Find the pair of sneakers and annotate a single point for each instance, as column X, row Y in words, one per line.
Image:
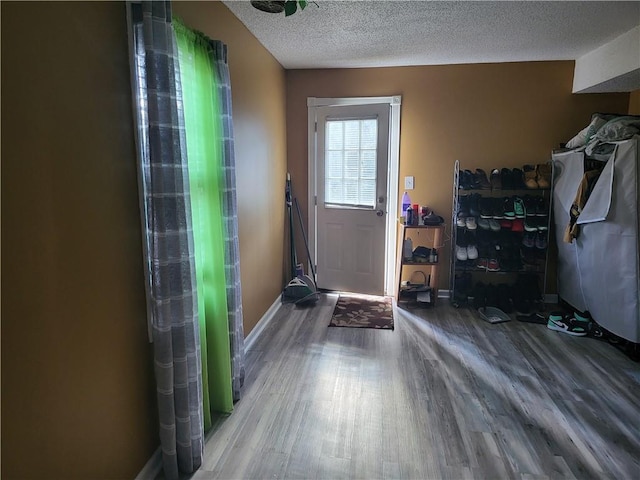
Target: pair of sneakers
column 534, row 224
column 513, row 207
column 469, row 223
column 533, row 239
column 470, row 252
column 575, row 324
column 489, row 224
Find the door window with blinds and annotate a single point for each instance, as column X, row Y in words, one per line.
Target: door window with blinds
column 350, row 163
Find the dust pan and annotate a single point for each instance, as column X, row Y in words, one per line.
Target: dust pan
column 300, row 290
column 493, row 315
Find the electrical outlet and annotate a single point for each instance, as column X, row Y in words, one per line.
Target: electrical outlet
column 408, row 183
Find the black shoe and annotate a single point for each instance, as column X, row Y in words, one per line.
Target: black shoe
column 522, row 306
column 517, row 179
column 521, row 301
column 529, row 258
column 504, row 298
column 595, row 331
column 482, row 180
column 480, row 295
column 474, row 208
column 461, row 237
column 470, row 237
column 498, row 208
column 541, row 207
column 538, row 318
column 462, row 180
column 506, row 178
column 530, row 225
column 470, row 179
column 509, row 259
column 530, row 207
column 486, row 207
column 466, row 180
column 463, row 205
column 462, row 288
column 507, row 208
column 542, row 224
column 496, row 182
column 484, row 239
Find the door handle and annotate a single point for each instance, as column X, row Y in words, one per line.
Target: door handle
column 379, row 213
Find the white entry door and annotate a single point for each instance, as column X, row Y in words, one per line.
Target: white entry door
column 352, row 150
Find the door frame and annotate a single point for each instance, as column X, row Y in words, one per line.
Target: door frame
column 394, row 103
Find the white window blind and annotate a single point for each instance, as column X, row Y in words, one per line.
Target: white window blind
column 350, row 162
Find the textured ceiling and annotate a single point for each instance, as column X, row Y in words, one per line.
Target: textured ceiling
column 347, row 34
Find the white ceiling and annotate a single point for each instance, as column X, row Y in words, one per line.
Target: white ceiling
column 347, row 34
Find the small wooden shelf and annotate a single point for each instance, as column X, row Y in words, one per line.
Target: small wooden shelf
column 432, row 239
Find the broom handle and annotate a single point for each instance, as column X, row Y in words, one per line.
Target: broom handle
column 294, row 256
column 306, row 244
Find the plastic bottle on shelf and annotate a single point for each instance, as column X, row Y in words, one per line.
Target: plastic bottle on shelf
column 408, row 220
column 407, row 250
column 406, row 203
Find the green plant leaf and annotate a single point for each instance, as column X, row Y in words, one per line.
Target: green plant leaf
column 303, row 4
column 290, row 7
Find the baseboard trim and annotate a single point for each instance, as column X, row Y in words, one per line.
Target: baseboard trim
column 152, row 468
column 262, row 324
column 551, row 298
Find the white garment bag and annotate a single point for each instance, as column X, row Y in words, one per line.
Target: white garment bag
column 569, row 169
column 599, row 271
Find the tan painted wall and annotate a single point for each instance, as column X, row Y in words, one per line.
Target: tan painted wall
column 259, row 119
column 634, row 103
column 486, row 116
column 77, row 379
column 77, row 383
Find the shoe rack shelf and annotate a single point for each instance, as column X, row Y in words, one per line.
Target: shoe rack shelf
column 499, row 235
column 430, row 237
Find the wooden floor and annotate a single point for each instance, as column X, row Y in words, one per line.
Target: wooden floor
column 443, row 396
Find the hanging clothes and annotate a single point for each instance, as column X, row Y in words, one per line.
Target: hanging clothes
column 585, row 188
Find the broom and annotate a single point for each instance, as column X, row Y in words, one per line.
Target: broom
column 301, row 288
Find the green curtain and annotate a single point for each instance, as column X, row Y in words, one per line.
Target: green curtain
column 204, row 150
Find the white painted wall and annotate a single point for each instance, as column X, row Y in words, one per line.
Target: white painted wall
column 614, row 66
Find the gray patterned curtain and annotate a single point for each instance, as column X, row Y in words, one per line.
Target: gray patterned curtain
column 166, row 212
column 230, row 213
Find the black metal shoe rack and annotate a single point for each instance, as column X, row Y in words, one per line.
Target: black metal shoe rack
column 510, row 269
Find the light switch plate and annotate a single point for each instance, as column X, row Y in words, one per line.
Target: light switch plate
column 408, row 183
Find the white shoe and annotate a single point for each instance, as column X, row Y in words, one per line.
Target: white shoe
column 461, row 253
column 472, row 252
column 470, row 223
